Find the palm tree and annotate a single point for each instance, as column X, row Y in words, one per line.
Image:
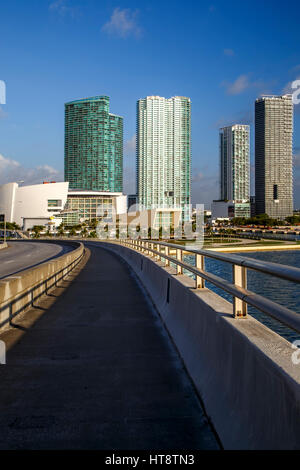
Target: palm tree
column 84, row 232
column 61, row 231
column 48, row 233
column 92, row 234
column 72, row 232
column 37, row 229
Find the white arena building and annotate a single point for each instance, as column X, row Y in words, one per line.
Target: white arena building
column 49, row 204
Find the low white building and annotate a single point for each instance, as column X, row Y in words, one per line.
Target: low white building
column 33, row 205
column 50, row 204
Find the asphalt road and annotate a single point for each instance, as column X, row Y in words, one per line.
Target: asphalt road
column 22, row 255
column 94, row 369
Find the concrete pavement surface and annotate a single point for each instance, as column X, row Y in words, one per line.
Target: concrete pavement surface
column 93, row 368
column 22, row 255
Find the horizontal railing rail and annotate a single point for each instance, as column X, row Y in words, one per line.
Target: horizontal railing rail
column 242, row 297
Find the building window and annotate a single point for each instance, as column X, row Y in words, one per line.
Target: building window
column 54, row 202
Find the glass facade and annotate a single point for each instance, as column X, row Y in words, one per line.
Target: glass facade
column 93, row 145
column 164, row 152
column 242, row 210
column 80, row 208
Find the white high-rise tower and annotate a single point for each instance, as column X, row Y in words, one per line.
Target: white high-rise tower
column 235, row 163
column 164, row 152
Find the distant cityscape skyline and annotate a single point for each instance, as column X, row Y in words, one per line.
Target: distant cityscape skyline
column 94, row 154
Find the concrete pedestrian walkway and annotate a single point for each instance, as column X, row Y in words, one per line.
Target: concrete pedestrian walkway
column 96, row 370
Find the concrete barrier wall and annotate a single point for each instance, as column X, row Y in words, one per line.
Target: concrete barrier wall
column 18, row 292
column 242, row 370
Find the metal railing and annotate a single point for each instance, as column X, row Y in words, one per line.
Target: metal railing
column 27, row 297
column 242, row 297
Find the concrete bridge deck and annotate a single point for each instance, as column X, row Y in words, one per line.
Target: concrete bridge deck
column 94, row 368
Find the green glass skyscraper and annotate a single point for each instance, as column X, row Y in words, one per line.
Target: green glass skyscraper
column 93, row 145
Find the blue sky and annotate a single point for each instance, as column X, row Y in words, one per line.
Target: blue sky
column 221, row 54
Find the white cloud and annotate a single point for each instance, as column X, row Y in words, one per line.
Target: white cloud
column 13, row 171
column 123, row 23
column 229, row 52
column 238, row 86
column 243, row 83
column 288, row 87
column 62, row 8
column 7, row 163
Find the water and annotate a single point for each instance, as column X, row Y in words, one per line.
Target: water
column 283, row 292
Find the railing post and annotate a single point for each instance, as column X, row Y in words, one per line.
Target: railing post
column 167, row 262
column 200, row 282
column 240, row 280
column 179, row 258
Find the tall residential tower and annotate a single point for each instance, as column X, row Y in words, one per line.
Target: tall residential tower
column 234, row 173
column 164, row 152
column 93, row 145
column 274, row 156
column 235, row 163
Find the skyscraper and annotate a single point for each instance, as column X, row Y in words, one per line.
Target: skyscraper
column 274, row 156
column 235, row 163
column 93, row 145
column 234, row 173
column 164, row 152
